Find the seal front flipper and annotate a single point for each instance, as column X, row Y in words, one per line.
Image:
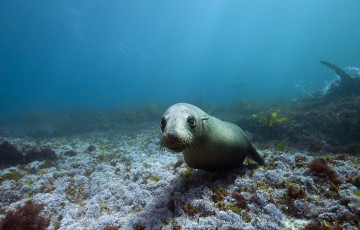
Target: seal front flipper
column 255, row 155
column 343, row 75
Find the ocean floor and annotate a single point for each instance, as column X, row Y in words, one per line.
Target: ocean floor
column 121, row 180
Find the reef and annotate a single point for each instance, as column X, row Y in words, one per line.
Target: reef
column 330, row 124
column 104, row 170
column 121, row 180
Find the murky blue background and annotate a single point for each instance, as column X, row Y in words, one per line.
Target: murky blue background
column 66, row 54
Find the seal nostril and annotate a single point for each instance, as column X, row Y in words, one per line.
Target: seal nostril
column 173, row 135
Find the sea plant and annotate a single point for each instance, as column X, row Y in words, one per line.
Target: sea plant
column 26, row 217
column 29, row 182
column 318, row 167
column 280, row 147
column 16, row 175
column 269, row 119
column 9, row 155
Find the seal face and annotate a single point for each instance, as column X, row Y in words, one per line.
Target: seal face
column 205, row 141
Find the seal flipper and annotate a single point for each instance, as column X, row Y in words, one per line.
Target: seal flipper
column 343, row 75
column 255, row 155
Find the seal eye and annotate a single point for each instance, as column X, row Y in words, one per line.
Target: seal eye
column 192, row 121
column 163, row 123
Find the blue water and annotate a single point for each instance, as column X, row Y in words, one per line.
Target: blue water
column 95, row 54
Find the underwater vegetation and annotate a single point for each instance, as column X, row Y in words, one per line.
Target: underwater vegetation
column 270, row 119
column 11, row 156
column 39, row 154
column 320, row 168
column 324, row 124
column 26, row 217
column 115, row 181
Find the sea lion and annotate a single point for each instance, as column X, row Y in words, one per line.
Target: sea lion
column 205, row 141
column 346, row 85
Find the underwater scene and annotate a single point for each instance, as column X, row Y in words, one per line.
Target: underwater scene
column 179, row 115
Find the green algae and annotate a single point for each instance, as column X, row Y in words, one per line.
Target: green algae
column 29, row 182
column 16, row 175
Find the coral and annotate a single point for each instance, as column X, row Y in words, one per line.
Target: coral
column 319, row 168
column 26, row 217
column 9, row 155
column 262, row 198
column 40, row 155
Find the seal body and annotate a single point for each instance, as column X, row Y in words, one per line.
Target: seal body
column 205, row 141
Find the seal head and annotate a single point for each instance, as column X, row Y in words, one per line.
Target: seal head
column 205, row 141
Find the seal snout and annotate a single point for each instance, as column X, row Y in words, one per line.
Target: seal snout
column 172, row 136
column 172, row 141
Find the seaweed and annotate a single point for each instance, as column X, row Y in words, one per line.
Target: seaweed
column 70, row 153
column 356, row 181
column 294, row 192
column 187, row 174
column 29, row 182
column 233, row 207
column 39, row 155
column 178, row 163
column 24, row 218
column 154, row 178
column 219, row 193
column 111, row 228
column 9, row 155
column 312, row 226
column 281, row 146
column 271, row 118
column 218, row 196
column 16, row 175
column 318, row 167
column 91, row 148
column 191, row 210
column 240, row 200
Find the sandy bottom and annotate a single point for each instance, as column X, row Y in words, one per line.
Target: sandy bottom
column 124, row 181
